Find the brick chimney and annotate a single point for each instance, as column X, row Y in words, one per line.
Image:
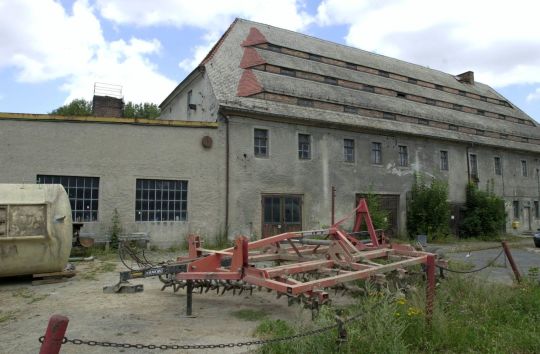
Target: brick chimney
column 107, row 101
column 467, row 77
column 106, row 106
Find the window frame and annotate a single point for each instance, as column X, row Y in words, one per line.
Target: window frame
column 376, row 153
column 349, row 156
column 403, row 156
column 515, row 207
column 473, row 165
column 300, row 150
column 78, row 200
column 149, row 187
column 497, row 165
column 267, row 145
column 444, row 163
column 524, row 168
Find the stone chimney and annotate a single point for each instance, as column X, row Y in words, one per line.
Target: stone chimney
column 467, row 77
column 107, row 101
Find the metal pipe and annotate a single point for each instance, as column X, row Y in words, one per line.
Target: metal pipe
column 54, row 336
column 189, row 298
column 333, row 216
column 227, row 173
column 515, row 269
column 430, row 291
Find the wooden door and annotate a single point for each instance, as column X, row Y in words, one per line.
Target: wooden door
column 389, row 203
column 281, row 213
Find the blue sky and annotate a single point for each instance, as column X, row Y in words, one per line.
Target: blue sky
column 54, row 51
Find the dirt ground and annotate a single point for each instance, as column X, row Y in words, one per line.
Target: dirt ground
column 150, row 317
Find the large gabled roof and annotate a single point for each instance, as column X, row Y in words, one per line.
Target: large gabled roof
column 260, row 69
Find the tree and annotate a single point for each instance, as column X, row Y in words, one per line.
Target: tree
column 484, row 214
column 77, row 107
column 141, row 110
column 428, row 210
column 82, row 107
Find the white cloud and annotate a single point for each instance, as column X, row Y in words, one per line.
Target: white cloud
column 43, row 42
column 498, row 40
column 534, row 96
column 210, row 15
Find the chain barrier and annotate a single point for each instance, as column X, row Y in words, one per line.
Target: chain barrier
column 320, row 330
column 489, row 264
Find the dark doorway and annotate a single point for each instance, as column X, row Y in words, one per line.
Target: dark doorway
column 389, row 203
column 281, row 213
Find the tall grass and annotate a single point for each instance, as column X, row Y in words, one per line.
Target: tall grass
column 469, row 316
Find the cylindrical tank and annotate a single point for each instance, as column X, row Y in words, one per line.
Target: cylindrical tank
column 35, row 229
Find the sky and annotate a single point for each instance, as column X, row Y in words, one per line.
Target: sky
column 52, row 52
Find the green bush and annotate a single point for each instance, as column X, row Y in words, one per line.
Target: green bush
column 428, row 209
column 484, row 214
column 379, row 216
column 116, row 229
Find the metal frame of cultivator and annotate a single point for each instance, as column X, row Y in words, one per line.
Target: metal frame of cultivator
column 309, row 263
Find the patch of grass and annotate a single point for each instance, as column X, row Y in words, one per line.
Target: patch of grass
column 28, row 294
column 98, row 268
column 249, row 314
column 7, row 316
column 469, row 316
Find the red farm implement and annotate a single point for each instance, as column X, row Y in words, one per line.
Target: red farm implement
column 303, row 266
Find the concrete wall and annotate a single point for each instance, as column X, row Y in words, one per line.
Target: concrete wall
column 282, row 172
column 119, row 154
column 202, row 96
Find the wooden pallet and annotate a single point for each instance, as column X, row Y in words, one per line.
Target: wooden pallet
column 52, row 278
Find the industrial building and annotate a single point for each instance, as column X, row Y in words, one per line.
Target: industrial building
column 253, row 139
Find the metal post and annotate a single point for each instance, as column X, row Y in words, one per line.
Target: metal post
column 189, row 302
column 430, row 290
column 333, row 216
column 511, row 261
column 54, row 336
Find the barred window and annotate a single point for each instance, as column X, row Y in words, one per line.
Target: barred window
column 444, row 160
column 376, row 153
column 83, row 193
column 348, row 150
column 304, row 146
column 261, row 143
column 403, row 156
column 498, row 167
column 161, row 200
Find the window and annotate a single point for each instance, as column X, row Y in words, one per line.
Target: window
column 444, row 160
column 83, row 193
column 536, row 209
column 348, row 150
column 160, row 200
column 304, row 146
column 330, row 80
column 304, row 102
column 350, row 109
column 190, row 104
column 411, row 80
column 516, row 209
column 403, row 156
column 498, row 167
column 376, row 153
column 524, row 170
column 288, row 72
column 473, row 164
column 369, row 88
column 260, row 143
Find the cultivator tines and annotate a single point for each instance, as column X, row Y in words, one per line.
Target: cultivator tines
column 302, row 266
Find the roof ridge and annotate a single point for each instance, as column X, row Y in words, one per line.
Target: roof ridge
column 351, row 47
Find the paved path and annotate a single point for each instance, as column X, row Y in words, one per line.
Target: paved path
column 525, row 255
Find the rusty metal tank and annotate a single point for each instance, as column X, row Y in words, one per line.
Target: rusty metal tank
column 35, row 229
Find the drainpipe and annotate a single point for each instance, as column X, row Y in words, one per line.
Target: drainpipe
column 468, row 166
column 227, row 177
